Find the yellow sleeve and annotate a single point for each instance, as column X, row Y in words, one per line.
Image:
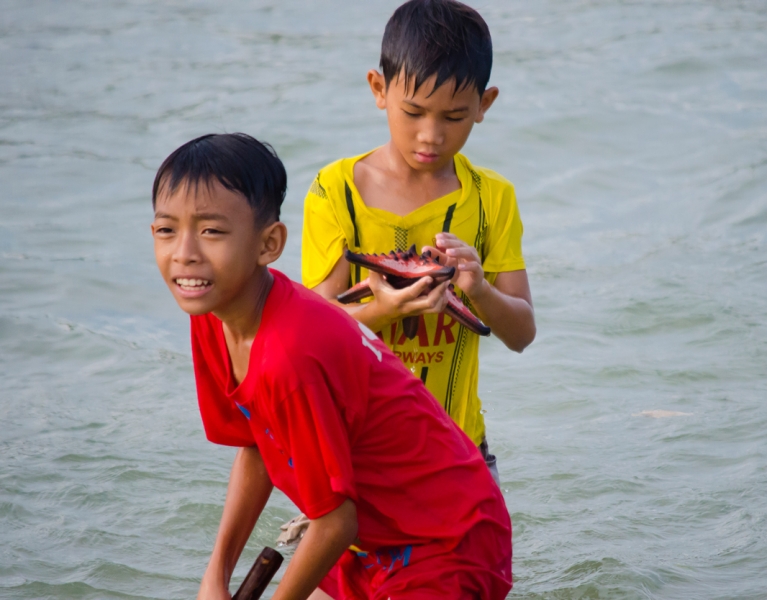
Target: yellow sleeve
column 503, row 243
column 322, row 239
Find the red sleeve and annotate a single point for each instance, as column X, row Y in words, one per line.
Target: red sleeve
column 318, row 442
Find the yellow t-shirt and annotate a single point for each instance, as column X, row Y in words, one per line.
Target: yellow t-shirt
column 483, row 213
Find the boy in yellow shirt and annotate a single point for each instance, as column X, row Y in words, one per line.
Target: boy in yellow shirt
column 418, row 189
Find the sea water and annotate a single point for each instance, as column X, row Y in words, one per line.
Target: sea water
column 636, row 136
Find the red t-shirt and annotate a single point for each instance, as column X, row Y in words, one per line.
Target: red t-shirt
column 336, row 415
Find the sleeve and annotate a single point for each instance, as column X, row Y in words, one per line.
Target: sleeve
column 320, row 451
column 323, row 239
column 503, row 244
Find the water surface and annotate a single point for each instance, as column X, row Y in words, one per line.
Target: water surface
column 636, row 135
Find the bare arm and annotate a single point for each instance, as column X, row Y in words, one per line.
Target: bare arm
column 322, row 545
column 249, row 489
column 336, row 283
column 388, row 305
column 507, row 308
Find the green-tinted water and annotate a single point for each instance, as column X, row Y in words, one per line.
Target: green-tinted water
column 636, row 134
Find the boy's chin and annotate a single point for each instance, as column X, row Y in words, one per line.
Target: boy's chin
column 195, row 311
column 193, row 307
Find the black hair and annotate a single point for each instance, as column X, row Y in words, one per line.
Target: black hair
column 442, row 37
column 240, row 162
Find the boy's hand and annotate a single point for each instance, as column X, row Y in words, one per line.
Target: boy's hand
column 389, row 304
column 469, row 275
column 413, row 300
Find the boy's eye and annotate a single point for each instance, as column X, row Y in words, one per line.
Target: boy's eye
column 163, row 230
column 455, row 119
column 409, row 114
column 212, row 230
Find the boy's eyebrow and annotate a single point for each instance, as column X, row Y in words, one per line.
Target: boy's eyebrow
column 211, row 217
column 451, row 110
column 413, row 104
column 198, row 216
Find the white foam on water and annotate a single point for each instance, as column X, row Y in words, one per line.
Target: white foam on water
column 661, row 414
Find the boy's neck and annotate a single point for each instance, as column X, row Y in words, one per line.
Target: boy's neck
column 386, row 181
column 242, row 316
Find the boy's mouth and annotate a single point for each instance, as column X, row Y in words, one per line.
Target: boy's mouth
column 192, row 286
column 426, row 157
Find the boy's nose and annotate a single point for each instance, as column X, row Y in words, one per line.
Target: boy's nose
column 431, row 133
column 187, row 250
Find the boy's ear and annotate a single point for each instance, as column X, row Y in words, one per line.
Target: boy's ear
column 378, row 87
column 273, row 238
column 485, row 102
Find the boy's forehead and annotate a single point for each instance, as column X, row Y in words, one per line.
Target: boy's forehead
column 185, row 191
column 201, row 196
column 445, row 94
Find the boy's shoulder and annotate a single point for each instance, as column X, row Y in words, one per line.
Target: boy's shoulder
column 496, row 193
column 303, row 325
column 308, row 342
column 329, row 176
column 335, row 175
column 484, row 177
column 295, row 316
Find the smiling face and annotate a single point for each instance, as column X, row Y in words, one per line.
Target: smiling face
column 429, row 127
column 209, row 250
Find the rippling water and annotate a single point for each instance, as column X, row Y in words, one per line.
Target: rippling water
column 636, row 134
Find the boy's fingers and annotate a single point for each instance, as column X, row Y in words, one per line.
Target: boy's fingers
column 452, row 243
column 434, row 301
column 449, row 241
column 446, row 236
column 471, row 266
column 418, row 288
column 467, row 253
column 439, row 290
column 441, row 296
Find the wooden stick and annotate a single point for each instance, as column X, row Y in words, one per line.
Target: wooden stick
column 259, row 576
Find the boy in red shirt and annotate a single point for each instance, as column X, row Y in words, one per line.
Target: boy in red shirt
column 317, row 404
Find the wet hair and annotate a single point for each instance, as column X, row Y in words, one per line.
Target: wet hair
column 238, row 161
column 442, row 37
